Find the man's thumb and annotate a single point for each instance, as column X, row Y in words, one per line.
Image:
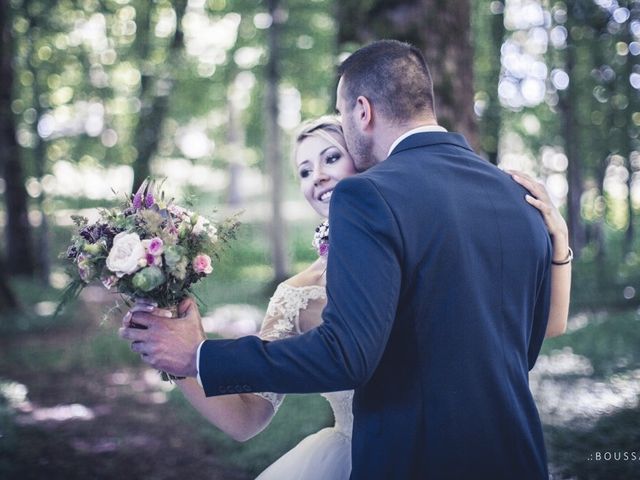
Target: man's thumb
column 184, row 307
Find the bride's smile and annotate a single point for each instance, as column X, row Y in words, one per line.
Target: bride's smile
column 325, row 196
column 322, row 161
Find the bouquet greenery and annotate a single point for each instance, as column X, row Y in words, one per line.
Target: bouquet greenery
column 149, row 249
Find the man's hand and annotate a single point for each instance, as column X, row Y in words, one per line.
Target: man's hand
column 168, row 344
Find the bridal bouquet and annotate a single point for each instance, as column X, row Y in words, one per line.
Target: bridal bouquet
column 148, row 249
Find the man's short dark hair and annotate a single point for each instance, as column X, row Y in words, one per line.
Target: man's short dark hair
column 393, row 75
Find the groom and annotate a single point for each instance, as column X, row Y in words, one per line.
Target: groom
column 438, row 296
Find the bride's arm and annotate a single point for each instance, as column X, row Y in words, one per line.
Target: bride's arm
column 560, row 288
column 241, row 416
column 560, row 274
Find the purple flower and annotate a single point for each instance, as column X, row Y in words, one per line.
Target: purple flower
column 140, row 195
column 137, row 200
column 150, row 259
column 72, row 251
column 93, row 233
column 154, row 246
column 149, row 200
column 323, row 250
column 86, row 269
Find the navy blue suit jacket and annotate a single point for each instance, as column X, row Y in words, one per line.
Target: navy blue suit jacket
column 438, row 297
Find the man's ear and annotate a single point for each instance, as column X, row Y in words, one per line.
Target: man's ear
column 364, row 113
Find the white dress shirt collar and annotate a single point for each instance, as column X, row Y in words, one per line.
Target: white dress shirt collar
column 423, row 129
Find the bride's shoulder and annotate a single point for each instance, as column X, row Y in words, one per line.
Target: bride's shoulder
column 312, row 276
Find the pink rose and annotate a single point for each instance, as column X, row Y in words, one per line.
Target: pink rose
column 202, row 264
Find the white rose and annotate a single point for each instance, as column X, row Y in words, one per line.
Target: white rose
column 200, row 225
column 125, row 254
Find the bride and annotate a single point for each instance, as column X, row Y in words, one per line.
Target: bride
column 321, row 160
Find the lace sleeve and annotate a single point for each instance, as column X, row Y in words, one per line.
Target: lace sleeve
column 281, row 320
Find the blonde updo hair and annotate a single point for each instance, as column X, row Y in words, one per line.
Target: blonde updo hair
column 327, row 127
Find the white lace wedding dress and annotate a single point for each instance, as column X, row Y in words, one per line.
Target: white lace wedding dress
column 325, row 455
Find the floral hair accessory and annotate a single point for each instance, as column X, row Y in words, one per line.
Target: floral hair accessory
column 321, row 239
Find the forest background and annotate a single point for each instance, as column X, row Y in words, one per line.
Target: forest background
column 95, row 95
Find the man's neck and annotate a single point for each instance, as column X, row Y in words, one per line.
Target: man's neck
column 390, row 133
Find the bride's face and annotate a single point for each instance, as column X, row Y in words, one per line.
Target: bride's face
column 321, row 165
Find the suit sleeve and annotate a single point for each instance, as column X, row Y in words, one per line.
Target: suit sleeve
column 363, row 285
column 542, row 305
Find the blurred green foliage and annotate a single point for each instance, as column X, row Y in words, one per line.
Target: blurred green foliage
column 79, row 74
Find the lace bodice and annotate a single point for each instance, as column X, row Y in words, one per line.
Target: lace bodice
column 282, row 320
column 341, row 404
column 283, row 312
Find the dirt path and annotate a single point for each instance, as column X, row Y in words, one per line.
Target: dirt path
column 102, row 428
column 93, row 422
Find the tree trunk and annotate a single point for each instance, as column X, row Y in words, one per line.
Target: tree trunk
column 492, row 15
column 599, row 226
column 20, row 256
column 442, row 30
column 602, row 148
column 39, row 154
column 567, row 104
column 630, row 131
column 44, row 245
column 272, row 141
column 235, row 143
column 7, row 298
column 155, row 89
